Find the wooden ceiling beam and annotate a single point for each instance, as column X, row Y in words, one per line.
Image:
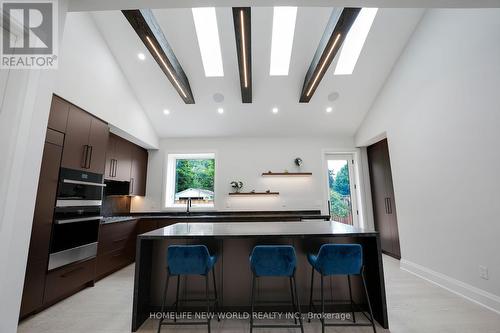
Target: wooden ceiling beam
column 147, row 28
column 243, row 34
column 335, row 33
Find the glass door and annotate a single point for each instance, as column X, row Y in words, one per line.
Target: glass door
column 341, row 197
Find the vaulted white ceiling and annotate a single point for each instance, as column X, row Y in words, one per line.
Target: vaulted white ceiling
column 390, row 31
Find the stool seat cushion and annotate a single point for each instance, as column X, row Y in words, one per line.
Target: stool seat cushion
column 190, row 260
column 273, row 260
column 337, row 259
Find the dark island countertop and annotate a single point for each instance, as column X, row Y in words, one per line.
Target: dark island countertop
column 251, row 229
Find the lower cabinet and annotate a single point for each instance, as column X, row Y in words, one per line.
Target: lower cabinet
column 69, row 279
column 116, row 247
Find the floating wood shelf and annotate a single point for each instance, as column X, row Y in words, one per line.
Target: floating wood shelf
column 287, row 174
column 254, row 193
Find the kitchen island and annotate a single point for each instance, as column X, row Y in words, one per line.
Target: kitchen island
column 233, row 243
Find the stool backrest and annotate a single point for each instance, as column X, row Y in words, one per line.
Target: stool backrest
column 188, row 259
column 341, row 259
column 273, row 260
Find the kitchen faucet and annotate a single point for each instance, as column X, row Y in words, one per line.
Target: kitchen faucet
column 188, row 205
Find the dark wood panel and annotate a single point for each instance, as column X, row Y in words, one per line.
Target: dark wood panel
column 114, row 236
column 383, row 200
column 76, row 139
column 58, row 116
column 45, row 202
column 54, row 137
column 138, row 171
column 34, row 286
column 64, row 281
column 123, row 153
column 98, row 141
column 112, row 261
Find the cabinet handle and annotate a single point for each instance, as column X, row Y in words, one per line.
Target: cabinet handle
column 90, row 148
column 385, row 204
column 131, row 186
column 84, row 156
column 115, row 167
column 71, row 272
column 119, row 240
column 389, row 205
column 111, row 167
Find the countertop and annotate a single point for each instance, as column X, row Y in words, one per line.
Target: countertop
column 221, row 216
column 242, row 229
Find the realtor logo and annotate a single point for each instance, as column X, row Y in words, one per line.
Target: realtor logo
column 29, row 35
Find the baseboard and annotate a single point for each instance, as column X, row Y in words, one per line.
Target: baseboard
column 476, row 295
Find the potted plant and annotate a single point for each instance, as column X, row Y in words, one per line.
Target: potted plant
column 237, row 185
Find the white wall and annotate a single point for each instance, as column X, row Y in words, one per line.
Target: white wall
column 25, row 104
column 245, row 159
column 440, row 109
column 90, row 77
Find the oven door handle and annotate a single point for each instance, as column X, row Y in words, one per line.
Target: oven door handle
column 82, row 219
column 79, row 182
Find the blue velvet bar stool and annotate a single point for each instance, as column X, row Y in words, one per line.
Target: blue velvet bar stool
column 190, row 260
column 339, row 259
column 275, row 261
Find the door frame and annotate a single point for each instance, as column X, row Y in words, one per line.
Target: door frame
column 356, row 200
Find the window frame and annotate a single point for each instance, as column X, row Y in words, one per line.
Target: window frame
column 170, row 176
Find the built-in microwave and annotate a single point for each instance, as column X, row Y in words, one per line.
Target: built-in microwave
column 78, row 188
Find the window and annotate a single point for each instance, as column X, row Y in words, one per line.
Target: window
column 190, row 176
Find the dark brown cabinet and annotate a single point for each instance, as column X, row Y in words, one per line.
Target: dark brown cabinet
column 85, row 142
column 138, row 172
column 34, row 283
column 118, row 159
column 116, row 246
column 58, row 117
column 384, row 207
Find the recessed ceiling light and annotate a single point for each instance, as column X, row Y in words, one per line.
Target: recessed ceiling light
column 282, row 39
column 205, row 22
column 329, row 109
column 141, row 56
column 220, row 110
column 354, row 41
column 275, row 110
column 166, row 112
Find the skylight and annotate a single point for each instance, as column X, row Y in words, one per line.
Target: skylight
column 282, row 39
column 205, row 22
column 354, row 41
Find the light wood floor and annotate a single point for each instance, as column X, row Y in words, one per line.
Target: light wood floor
column 414, row 306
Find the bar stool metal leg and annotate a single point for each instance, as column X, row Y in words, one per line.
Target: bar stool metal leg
column 368, row 299
column 298, row 305
column 311, row 295
column 322, row 306
column 294, row 308
column 350, row 298
column 252, row 303
column 177, row 298
column 216, row 303
column 208, row 302
column 164, row 300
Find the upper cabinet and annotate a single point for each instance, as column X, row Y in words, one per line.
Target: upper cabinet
column 127, row 162
column 139, row 171
column 85, row 142
column 118, row 159
column 58, row 116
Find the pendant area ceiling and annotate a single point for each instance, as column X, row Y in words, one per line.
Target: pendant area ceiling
column 348, row 96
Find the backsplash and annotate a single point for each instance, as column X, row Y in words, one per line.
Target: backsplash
column 116, row 205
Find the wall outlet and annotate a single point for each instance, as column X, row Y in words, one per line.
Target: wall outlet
column 483, row 272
